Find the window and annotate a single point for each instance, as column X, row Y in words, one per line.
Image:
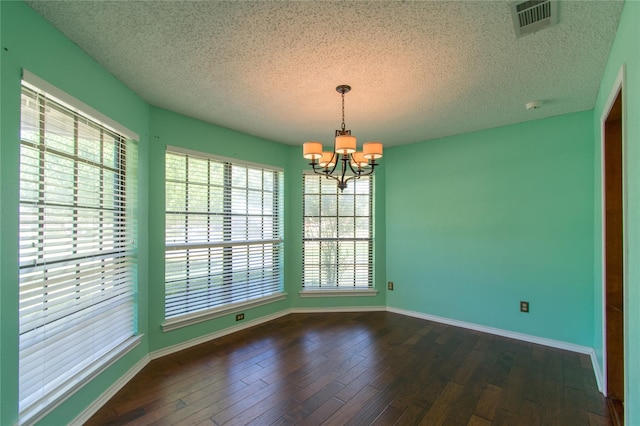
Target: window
column 77, row 249
column 223, row 235
column 338, row 234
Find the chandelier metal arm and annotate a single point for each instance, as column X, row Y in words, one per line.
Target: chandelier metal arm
column 335, row 157
column 342, row 177
column 372, row 164
column 355, row 172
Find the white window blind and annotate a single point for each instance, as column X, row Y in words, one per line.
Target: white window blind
column 223, row 233
column 338, row 233
column 77, row 249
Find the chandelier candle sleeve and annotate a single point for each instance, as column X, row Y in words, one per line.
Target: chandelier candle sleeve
column 372, row 150
column 358, row 160
column 345, row 144
column 328, row 160
column 312, row 150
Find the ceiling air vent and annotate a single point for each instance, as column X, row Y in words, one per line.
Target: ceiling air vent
column 533, row 15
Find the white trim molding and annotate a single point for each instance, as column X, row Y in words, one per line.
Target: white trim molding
column 33, row 81
column 196, row 317
column 212, row 336
column 202, row 154
column 332, row 292
column 618, row 86
column 110, row 392
column 336, row 309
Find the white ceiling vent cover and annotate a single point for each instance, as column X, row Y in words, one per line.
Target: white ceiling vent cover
column 533, row 15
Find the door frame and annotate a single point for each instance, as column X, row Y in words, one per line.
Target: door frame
column 618, row 87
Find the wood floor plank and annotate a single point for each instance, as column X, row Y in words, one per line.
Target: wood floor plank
column 596, row 420
column 463, row 407
column 489, row 401
column 512, row 391
column 467, row 368
column 360, row 368
column 437, row 413
column 504, row 418
column 320, row 398
column 554, row 398
column 530, row 414
column 572, row 371
column 347, row 411
column 323, row 412
column 534, row 389
column 575, row 407
column 593, row 398
column 389, row 416
column 478, row 421
column 389, row 389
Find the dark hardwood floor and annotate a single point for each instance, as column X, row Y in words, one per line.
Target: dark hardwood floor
column 374, row 368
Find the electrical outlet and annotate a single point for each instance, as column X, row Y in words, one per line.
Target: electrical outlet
column 524, row 306
column 390, row 285
column 239, row 317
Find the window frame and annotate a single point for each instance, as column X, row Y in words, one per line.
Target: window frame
column 227, row 244
column 339, row 290
column 108, row 256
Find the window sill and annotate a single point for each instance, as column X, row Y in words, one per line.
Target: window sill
column 196, row 317
column 338, row 293
column 36, row 412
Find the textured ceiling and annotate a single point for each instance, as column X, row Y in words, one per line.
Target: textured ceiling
column 419, row 70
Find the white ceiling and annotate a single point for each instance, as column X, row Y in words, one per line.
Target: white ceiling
column 419, row 70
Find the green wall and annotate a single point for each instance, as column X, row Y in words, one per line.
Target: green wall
column 478, row 222
column 624, row 53
column 28, row 41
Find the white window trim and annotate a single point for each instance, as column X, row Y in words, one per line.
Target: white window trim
column 339, row 293
column 36, row 411
column 39, row 411
column 35, row 82
column 220, row 311
column 343, row 291
column 206, row 315
column 232, row 160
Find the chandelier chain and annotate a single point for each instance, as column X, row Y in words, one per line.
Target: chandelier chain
column 343, row 126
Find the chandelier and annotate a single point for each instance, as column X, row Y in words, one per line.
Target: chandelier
column 353, row 164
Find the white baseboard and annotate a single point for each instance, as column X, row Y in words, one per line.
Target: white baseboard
column 313, row 310
column 511, row 335
column 598, row 372
column 113, row 389
column 202, row 339
column 208, row 337
column 110, row 392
